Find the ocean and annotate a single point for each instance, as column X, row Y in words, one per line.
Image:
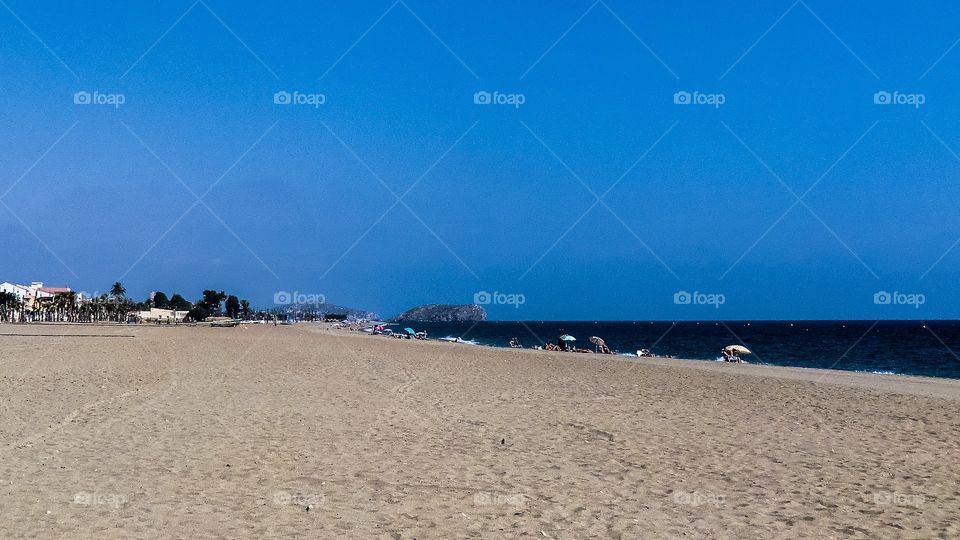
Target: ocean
column 886, row 347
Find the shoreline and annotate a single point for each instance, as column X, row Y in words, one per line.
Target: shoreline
column 943, row 387
column 862, row 378
column 622, row 355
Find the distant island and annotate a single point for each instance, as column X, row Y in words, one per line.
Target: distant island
column 443, row 313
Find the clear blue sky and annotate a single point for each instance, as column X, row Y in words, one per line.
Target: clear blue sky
column 93, row 203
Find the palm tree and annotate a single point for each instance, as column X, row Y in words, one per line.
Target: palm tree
column 65, row 306
column 101, row 307
column 9, row 304
column 117, row 291
column 58, row 305
column 42, row 306
column 118, row 302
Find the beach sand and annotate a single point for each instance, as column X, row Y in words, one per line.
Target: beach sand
column 300, row 431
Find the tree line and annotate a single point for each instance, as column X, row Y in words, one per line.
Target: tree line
column 115, row 306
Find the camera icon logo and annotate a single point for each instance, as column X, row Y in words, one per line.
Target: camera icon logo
column 882, row 298
column 682, row 298
column 482, row 298
column 82, row 98
column 282, row 97
column 681, row 98
column 83, row 498
column 882, row 98
column 482, row 97
column 282, row 298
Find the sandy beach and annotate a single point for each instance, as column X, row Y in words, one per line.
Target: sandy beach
column 301, row 431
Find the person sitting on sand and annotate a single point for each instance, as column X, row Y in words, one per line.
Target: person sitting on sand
column 730, row 356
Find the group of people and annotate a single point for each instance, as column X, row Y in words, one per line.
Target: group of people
column 564, row 343
column 564, row 346
column 421, row 335
column 407, row 333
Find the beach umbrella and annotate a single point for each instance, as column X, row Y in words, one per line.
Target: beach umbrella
column 600, row 343
column 739, row 349
column 409, row 330
column 568, row 337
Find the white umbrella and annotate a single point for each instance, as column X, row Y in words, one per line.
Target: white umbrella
column 739, row 349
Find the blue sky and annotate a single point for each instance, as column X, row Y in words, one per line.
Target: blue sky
column 797, row 197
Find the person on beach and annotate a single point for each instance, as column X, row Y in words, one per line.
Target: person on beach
column 730, row 356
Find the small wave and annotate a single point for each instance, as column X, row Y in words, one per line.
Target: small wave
column 877, row 371
column 454, row 339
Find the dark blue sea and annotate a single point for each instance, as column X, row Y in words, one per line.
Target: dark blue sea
column 887, row 347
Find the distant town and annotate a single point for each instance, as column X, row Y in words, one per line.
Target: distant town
column 38, row 302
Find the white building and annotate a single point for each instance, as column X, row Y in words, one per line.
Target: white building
column 20, row 291
column 28, row 294
column 162, row 315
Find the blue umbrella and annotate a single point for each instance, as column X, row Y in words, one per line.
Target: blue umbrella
column 409, row 330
